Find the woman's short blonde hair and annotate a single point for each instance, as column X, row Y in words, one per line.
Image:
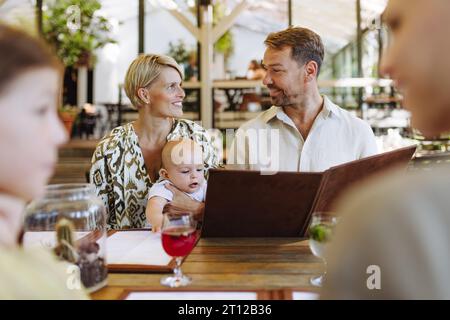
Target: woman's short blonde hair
column 143, row 71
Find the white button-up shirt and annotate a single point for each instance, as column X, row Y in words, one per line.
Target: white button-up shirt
column 272, row 142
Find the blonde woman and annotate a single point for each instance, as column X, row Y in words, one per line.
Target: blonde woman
column 126, row 162
column 30, row 133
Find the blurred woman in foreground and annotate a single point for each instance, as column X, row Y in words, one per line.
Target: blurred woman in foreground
column 30, row 133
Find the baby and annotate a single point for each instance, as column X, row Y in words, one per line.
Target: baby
column 182, row 166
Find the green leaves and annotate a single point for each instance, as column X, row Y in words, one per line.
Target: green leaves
column 76, row 30
column 320, row 232
column 225, row 44
column 179, row 52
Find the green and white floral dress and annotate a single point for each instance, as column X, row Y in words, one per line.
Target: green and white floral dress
column 120, row 177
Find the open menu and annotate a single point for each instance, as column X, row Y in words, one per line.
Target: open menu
column 337, row 179
column 236, row 199
column 191, row 295
column 137, row 251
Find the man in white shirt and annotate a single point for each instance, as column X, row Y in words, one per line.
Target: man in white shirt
column 303, row 131
column 393, row 239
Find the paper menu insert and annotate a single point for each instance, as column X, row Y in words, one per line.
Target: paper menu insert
column 217, row 294
column 136, row 248
column 303, row 295
column 45, row 239
column 192, row 295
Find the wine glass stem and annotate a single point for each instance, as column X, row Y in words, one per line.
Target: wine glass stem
column 177, row 270
column 325, row 268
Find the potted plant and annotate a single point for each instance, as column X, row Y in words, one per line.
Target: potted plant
column 76, row 30
column 179, row 51
column 68, row 115
column 185, row 57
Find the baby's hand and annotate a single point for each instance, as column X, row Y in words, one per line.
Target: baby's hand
column 154, row 212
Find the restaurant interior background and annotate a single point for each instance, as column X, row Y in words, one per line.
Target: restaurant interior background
column 98, row 39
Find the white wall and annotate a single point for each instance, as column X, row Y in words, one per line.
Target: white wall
column 114, row 59
column 161, row 28
column 248, row 45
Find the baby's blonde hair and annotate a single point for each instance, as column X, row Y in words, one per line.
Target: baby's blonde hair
column 145, row 69
column 183, row 151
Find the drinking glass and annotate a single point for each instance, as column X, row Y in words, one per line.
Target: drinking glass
column 321, row 232
column 178, row 239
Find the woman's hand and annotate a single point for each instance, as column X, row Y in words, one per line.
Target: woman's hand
column 182, row 203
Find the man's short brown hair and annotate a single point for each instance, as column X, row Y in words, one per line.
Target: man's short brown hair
column 306, row 44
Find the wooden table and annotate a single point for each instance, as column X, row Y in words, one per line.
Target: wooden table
column 234, row 264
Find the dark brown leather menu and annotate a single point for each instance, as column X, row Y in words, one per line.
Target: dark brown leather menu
column 250, row 204
column 337, row 179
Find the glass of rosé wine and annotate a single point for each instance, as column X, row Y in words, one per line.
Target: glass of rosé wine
column 178, row 235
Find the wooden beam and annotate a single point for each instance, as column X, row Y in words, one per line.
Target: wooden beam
column 186, row 23
column 82, row 86
column 39, row 15
column 141, row 26
column 290, row 13
column 206, row 63
column 359, row 38
column 359, row 56
column 90, row 86
column 228, row 21
column 199, row 45
column 380, row 47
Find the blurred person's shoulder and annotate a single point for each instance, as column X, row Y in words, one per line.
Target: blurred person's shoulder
column 37, row 274
column 399, row 222
column 400, row 189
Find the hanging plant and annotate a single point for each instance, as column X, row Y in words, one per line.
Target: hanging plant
column 225, row 43
column 76, row 30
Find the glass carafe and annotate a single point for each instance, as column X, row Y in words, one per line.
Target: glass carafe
column 70, row 220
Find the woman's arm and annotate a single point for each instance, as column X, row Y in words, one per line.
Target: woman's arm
column 154, row 212
column 98, row 176
column 182, row 203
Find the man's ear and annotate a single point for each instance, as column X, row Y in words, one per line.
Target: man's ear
column 163, row 173
column 311, row 71
column 143, row 94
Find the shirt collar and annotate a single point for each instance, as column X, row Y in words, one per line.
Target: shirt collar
column 329, row 107
column 271, row 113
column 278, row 112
